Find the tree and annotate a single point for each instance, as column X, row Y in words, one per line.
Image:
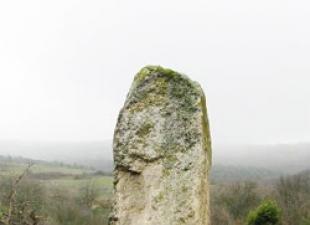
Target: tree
column 88, row 194
column 239, row 198
column 268, row 213
column 293, row 195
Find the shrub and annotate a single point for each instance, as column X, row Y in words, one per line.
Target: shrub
column 305, row 221
column 268, row 213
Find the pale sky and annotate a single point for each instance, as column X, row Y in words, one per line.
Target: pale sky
column 67, row 65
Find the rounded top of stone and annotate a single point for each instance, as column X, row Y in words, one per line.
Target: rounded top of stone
column 156, row 85
column 149, row 70
column 146, row 71
column 169, row 103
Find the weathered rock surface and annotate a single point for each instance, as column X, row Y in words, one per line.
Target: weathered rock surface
column 162, row 152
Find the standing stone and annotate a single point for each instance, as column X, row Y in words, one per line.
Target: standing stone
column 162, row 152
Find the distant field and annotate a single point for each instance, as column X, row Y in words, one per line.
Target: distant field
column 101, row 183
column 55, row 175
column 74, row 175
column 15, row 168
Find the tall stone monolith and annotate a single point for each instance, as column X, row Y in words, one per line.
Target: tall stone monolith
column 162, row 152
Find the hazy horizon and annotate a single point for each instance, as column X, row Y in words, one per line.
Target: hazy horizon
column 290, row 158
column 66, row 67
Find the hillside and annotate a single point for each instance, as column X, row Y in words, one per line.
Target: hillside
column 221, row 173
column 284, row 158
column 92, row 154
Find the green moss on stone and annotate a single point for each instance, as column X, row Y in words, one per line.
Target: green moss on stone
column 148, row 70
column 160, row 197
column 145, row 130
column 155, row 85
column 142, row 75
column 147, row 94
column 178, row 99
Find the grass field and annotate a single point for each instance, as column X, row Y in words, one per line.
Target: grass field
column 16, row 168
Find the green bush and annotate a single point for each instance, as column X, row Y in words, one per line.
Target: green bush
column 305, row 222
column 268, row 213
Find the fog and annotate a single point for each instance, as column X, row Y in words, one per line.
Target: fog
column 66, row 66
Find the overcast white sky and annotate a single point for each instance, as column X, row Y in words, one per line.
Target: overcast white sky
column 66, row 65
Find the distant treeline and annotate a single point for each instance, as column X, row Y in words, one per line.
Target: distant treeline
column 7, row 160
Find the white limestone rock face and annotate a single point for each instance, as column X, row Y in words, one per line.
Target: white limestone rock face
column 162, row 152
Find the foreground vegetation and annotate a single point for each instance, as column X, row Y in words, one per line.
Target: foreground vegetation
column 52, row 194
column 58, row 194
column 240, row 203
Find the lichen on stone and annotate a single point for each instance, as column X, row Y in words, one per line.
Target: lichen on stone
column 144, row 130
column 162, row 145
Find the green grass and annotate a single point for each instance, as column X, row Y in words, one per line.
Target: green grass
column 103, row 183
column 11, row 168
column 42, row 168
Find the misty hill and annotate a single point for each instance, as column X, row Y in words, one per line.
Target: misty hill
column 220, row 173
column 93, row 154
column 274, row 159
column 14, row 166
column 41, row 169
column 284, row 158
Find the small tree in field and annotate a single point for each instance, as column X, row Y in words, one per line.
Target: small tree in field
column 268, row 213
